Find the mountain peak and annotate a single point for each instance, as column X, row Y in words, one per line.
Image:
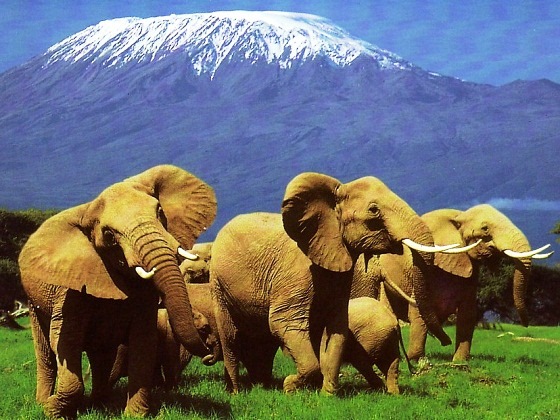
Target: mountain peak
column 210, row 39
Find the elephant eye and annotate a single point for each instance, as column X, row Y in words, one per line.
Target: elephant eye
column 374, row 211
column 109, row 237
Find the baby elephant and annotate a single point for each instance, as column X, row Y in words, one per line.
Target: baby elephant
column 172, row 357
column 373, row 340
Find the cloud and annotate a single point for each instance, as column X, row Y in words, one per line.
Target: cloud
column 524, row 204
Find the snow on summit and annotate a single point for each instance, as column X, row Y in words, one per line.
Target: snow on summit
column 209, row 39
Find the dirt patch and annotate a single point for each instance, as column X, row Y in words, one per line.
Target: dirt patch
column 542, row 340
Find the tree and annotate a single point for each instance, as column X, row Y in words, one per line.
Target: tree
column 543, row 294
column 15, row 228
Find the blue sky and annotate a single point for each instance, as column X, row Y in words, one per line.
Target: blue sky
column 483, row 41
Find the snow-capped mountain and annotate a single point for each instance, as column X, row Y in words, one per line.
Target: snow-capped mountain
column 247, row 100
column 209, row 39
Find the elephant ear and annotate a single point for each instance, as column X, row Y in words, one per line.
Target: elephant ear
column 189, row 203
column 310, row 218
column 60, row 253
column 444, row 227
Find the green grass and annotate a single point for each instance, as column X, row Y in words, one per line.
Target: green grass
column 508, row 377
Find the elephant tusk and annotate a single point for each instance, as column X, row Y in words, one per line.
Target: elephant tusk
column 527, row 254
column 400, row 292
column 424, row 248
column 209, row 360
column 186, row 254
column 462, row 249
column 542, row 256
column 145, row 274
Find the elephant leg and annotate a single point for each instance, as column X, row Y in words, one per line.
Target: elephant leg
column 46, row 359
column 228, row 335
column 298, row 345
column 120, row 365
column 332, row 347
column 418, row 334
column 361, row 360
column 101, row 360
column 466, row 323
column 169, row 355
column 67, row 336
column 258, row 358
column 390, row 368
column 142, row 355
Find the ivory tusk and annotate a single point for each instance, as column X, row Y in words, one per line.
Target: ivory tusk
column 145, row 274
column 527, row 254
column 209, row 360
column 424, row 248
column 462, row 249
column 542, row 256
column 187, row 254
column 400, row 292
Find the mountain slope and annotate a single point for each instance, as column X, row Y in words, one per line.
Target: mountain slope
column 247, row 100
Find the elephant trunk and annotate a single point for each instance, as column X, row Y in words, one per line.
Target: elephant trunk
column 520, row 282
column 518, row 242
column 155, row 252
column 171, row 286
column 419, row 271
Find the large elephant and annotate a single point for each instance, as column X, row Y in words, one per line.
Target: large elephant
column 94, row 275
column 488, row 235
column 285, row 279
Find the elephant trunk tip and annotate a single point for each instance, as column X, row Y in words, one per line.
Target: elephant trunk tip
column 523, row 317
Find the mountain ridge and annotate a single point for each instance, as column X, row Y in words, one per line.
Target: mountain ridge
column 249, row 127
column 208, row 38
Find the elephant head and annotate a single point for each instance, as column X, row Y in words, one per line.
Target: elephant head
column 197, row 270
column 333, row 223
column 496, row 236
column 132, row 232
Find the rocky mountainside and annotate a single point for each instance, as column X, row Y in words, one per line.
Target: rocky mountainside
column 247, row 100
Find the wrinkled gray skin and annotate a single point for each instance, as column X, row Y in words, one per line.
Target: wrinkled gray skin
column 173, row 357
column 284, row 280
column 373, row 340
column 79, row 270
column 198, row 271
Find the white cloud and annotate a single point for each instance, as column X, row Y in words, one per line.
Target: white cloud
column 524, row 204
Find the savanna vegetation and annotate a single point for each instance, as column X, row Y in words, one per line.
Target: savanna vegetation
column 513, row 374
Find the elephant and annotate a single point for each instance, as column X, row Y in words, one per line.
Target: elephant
column 373, row 339
column 197, row 271
column 487, row 235
column 173, row 357
column 283, row 279
column 94, row 275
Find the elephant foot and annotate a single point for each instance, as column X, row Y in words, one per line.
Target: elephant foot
column 54, row 408
column 393, row 389
column 329, row 388
column 291, row 384
column 137, row 405
column 460, row 359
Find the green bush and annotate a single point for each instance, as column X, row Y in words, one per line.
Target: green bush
column 15, row 228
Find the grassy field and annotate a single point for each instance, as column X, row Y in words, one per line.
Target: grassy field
column 514, row 374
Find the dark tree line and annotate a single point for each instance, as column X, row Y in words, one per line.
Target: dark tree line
column 15, row 228
column 495, row 289
column 495, row 294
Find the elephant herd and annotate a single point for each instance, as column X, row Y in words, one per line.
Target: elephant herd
column 324, row 280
